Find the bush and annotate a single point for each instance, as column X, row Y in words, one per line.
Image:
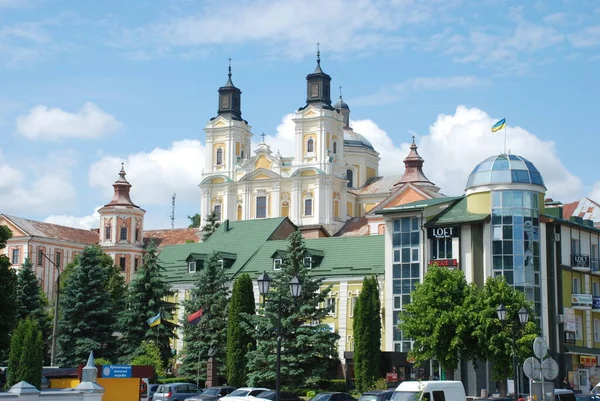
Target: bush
column 102, row 361
column 176, row 380
column 336, row 385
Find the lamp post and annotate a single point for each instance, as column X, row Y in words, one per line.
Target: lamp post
column 55, row 324
column 523, row 318
column 264, row 283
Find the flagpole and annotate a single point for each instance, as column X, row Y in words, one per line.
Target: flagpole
column 504, row 138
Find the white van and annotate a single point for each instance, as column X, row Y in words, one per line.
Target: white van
column 438, row 390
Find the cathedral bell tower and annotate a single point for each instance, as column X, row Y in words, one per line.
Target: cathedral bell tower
column 230, row 99
column 318, row 87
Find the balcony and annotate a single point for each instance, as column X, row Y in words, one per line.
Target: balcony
column 580, row 262
column 582, row 301
column 595, row 265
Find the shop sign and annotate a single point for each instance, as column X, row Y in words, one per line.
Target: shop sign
column 570, row 323
column 391, row 377
column 443, row 232
column 587, row 360
column 569, row 337
column 444, row 262
column 579, row 260
column 581, row 299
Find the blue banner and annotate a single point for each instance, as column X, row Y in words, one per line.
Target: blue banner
column 116, row 371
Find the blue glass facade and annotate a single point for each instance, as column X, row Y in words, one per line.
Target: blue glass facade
column 505, row 169
column 516, row 241
column 405, row 271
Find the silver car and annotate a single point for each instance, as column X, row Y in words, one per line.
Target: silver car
column 175, row 392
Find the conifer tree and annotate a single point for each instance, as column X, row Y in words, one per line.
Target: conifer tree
column 8, row 290
column 210, row 333
column 146, row 297
column 367, row 335
column 195, row 220
column 239, row 340
column 31, row 299
column 308, row 346
column 210, row 226
column 26, row 354
column 87, row 319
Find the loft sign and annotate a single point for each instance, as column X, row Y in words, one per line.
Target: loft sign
column 443, row 232
column 580, row 260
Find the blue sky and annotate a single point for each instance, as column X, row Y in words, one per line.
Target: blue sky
column 87, row 85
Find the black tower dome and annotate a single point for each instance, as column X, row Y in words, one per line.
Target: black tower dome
column 318, row 91
column 230, row 99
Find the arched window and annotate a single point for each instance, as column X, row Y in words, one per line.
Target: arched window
column 242, row 154
column 350, row 178
column 335, row 148
column 219, row 157
column 310, row 146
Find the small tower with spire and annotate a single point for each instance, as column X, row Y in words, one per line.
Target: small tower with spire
column 121, row 227
column 230, row 99
column 413, row 169
column 318, row 83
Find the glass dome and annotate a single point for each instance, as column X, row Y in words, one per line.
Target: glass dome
column 505, row 169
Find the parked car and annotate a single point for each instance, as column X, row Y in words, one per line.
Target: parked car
column 151, row 390
column 244, row 394
column 377, row 395
column 563, row 395
column 269, row 395
column 587, row 397
column 175, row 392
column 333, row 397
column 212, row 393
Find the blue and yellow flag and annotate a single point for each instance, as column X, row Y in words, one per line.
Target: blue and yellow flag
column 154, row 321
column 499, row 125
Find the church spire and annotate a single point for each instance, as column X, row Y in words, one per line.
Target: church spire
column 318, row 86
column 121, row 187
column 230, row 99
column 413, row 168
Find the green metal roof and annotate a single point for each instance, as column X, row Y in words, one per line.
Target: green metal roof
column 456, row 214
column 242, row 239
column 417, row 205
column 342, row 256
column 572, row 223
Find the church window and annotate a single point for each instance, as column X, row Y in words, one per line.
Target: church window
column 122, row 263
column 224, row 101
column 335, row 148
column 314, row 90
column 350, row 178
column 219, row 157
column 191, row 267
column 40, row 257
column 239, row 212
column 137, row 235
column 123, row 234
column 261, row 207
column 57, row 258
column 242, row 154
column 217, row 211
column 136, row 263
column 15, row 256
column 308, row 206
column 310, row 146
column 107, row 233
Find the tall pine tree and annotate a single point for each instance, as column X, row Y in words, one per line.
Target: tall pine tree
column 146, row 297
column 26, row 354
column 210, row 333
column 31, row 299
column 87, row 312
column 367, row 335
column 210, row 225
column 239, row 340
column 308, row 346
column 8, row 290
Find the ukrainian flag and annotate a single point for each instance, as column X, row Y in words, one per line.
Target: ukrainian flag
column 154, row 321
column 499, row 125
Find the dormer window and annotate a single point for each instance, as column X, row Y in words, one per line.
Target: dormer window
column 219, row 157
column 220, row 264
column 307, row 262
column 310, row 146
column 191, row 267
column 277, row 263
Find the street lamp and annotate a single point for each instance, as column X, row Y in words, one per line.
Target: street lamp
column 523, row 318
column 55, row 324
column 264, row 283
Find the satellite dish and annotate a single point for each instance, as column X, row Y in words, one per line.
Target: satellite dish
column 540, row 348
column 532, row 368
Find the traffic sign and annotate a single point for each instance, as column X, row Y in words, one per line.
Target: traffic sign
column 549, row 369
column 532, row 368
column 540, row 348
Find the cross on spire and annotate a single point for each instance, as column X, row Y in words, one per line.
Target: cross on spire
column 318, row 52
column 229, row 60
column 263, row 137
column 340, row 92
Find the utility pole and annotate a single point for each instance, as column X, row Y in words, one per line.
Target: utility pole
column 55, row 324
column 173, row 211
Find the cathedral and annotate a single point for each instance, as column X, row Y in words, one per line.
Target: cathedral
column 332, row 177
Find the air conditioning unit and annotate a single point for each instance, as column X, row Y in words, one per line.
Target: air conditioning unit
column 561, row 318
column 557, row 237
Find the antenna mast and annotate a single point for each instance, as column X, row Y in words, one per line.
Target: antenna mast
column 173, row 211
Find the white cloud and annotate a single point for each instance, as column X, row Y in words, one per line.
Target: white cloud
column 588, row 37
column 85, row 222
column 47, row 188
column 53, row 123
column 283, row 140
column 155, row 175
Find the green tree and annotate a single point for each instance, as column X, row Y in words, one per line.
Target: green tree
column 495, row 337
column 26, row 354
column 148, row 354
column 146, row 297
column 438, row 321
column 87, row 319
column 195, row 221
column 31, row 299
column 239, row 340
column 8, row 290
column 210, row 333
column 309, row 347
column 210, row 225
column 367, row 335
